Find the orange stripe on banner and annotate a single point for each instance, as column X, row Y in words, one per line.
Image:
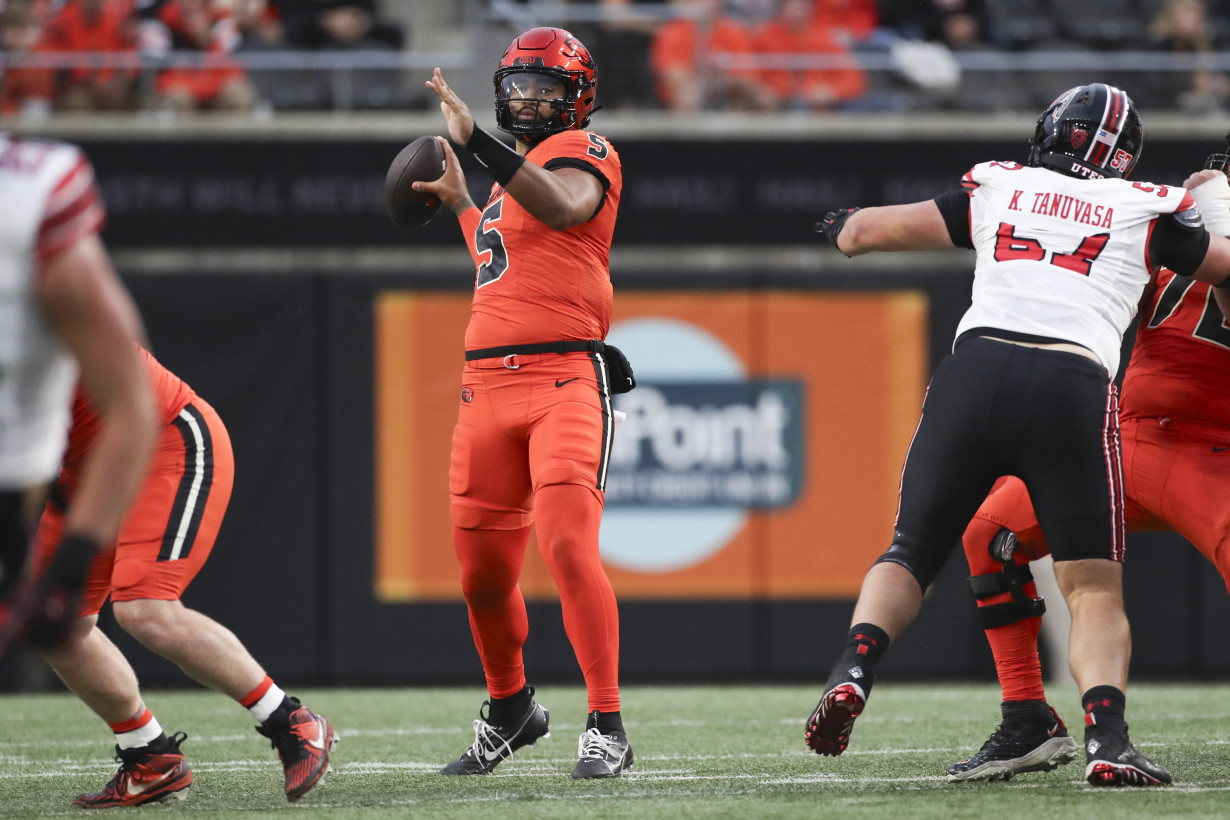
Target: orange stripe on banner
column 419, row 344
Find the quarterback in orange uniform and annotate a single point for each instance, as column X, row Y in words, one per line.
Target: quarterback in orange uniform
column 167, row 533
column 1175, row 426
column 534, row 427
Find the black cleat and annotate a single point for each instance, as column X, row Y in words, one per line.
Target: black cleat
column 1018, row 745
column 1114, row 761
column 602, row 755
column 495, row 744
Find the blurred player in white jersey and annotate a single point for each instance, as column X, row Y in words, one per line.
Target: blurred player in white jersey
column 1065, row 247
column 63, row 312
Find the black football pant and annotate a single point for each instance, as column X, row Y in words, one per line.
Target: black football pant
column 994, row 409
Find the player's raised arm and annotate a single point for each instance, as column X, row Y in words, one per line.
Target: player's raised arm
column 533, row 103
column 919, row 226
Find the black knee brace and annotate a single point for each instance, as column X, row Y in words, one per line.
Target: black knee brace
column 1012, row 579
column 923, row 564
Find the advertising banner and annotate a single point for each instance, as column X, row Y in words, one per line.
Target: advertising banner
column 760, row 457
column 253, row 193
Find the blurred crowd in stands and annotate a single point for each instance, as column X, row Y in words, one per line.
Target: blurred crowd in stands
column 682, row 55
column 126, row 50
column 900, row 55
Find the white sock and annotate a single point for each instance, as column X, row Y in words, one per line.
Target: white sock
column 140, row 736
column 268, row 703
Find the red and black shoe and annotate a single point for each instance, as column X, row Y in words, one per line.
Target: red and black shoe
column 1114, row 761
column 828, row 728
column 145, row 776
column 303, row 740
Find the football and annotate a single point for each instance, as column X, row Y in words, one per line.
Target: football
column 420, row 161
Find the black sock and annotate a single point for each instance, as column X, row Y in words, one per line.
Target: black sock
column 864, row 646
column 158, row 745
column 605, row 722
column 509, row 710
column 279, row 718
column 1104, row 707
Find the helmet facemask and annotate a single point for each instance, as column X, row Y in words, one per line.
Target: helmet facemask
column 545, row 56
column 532, row 104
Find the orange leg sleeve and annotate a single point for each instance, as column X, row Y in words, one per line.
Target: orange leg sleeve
column 568, row 519
column 1015, row 645
column 490, row 568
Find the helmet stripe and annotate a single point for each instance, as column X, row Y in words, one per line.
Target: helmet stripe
column 1110, row 128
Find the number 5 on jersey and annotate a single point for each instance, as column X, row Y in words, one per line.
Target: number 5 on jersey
column 489, row 240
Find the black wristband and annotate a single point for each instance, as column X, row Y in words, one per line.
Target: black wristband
column 72, row 560
column 495, row 156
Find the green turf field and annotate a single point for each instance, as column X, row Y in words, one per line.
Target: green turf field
column 729, row 751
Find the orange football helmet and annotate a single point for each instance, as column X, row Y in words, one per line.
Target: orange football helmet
column 534, row 62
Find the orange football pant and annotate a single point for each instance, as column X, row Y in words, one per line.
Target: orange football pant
column 171, row 526
column 530, row 448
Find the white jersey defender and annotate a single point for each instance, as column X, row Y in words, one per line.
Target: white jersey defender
column 47, row 196
column 1091, row 236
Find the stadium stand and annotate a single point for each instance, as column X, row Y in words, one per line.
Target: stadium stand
column 310, row 55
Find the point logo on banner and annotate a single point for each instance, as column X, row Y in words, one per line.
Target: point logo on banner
column 702, row 444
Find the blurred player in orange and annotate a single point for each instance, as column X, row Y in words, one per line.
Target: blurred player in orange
column 166, row 536
column 535, row 423
column 64, row 315
column 1175, row 425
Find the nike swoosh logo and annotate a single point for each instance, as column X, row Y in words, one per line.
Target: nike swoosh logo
column 559, row 383
column 134, row 789
column 1051, row 731
column 317, row 742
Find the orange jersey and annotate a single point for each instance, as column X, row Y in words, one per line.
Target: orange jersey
column 171, row 395
column 1180, row 365
column 535, row 284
